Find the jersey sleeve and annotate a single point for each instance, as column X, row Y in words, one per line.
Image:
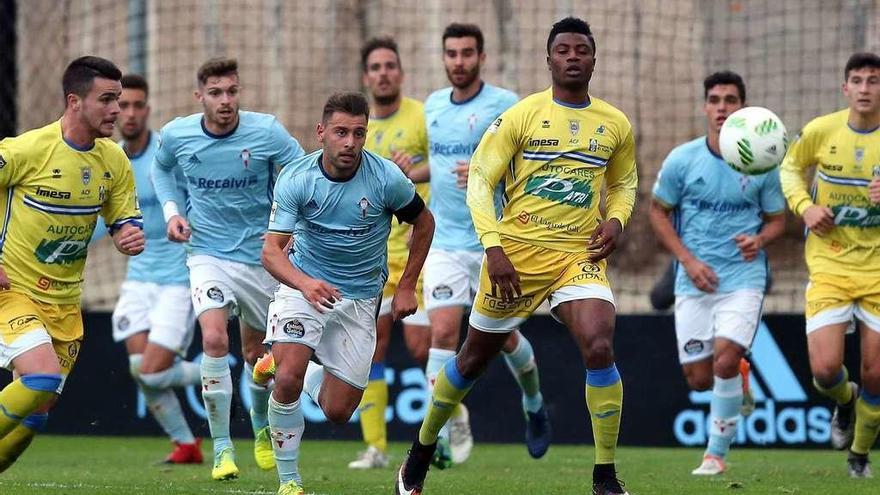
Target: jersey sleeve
column 622, row 180
column 420, row 156
column 285, row 206
column 12, row 163
column 121, row 205
column 670, row 181
column 772, row 200
column 399, row 190
column 165, row 170
column 286, row 148
column 497, row 148
column 801, row 156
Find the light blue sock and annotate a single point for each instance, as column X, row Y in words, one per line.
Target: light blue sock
column 726, row 402
column 436, row 359
column 180, row 374
column 217, row 395
column 521, row 362
column 286, row 424
column 259, row 399
column 165, row 407
column 313, row 380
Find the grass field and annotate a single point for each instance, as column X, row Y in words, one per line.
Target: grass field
column 122, row 466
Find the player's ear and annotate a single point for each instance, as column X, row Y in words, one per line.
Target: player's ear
column 198, row 95
column 319, row 130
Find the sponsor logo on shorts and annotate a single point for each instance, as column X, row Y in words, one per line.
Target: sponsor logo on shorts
column 123, row 323
column 21, row 321
column 693, row 346
column 441, row 292
column 73, row 349
column 294, row 328
column 494, row 303
column 215, row 294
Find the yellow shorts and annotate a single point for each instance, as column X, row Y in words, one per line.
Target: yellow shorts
column 395, row 270
column 559, row 276
column 833, row 299
column 26, row 323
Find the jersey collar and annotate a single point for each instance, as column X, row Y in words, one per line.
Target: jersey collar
column 219, row 136
column 464, row 102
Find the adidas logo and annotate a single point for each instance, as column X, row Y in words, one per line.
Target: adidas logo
column 194, row 160
column 312, row 205
column 434, row 124
column 780, row 414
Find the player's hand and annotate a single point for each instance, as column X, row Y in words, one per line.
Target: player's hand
column 4, row 280
column 320, row 294
column 749, row 245
column 461, row 170
column 604, row 239
column 874, row 190
column 129, row 240
column 819, row 219
column 178, row 229
column 701, row 275
column 403, row 160
column 502, row 274
column 404, row 303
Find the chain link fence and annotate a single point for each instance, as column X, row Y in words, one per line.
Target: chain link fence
column 652, row 58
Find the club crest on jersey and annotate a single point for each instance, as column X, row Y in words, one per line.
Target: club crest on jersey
column 472, row 121
column 859, row 154
column 86, row 174
column 245, row 158
column 744, row 182
column 363, row 204
column 574, row 126
column 600, row 129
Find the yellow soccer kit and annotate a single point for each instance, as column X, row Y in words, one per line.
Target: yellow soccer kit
column 50, row 196
column 844, row 264
column 402, row 131
column 554, row 159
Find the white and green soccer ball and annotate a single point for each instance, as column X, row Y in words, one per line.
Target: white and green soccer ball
column 753, row 140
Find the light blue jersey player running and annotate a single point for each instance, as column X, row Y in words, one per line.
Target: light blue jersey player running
column 720, row 222
column 154, row 315
column 230, row 160
column 456, row 118
column 338, row 205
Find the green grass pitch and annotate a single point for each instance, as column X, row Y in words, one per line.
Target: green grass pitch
column 122, row 466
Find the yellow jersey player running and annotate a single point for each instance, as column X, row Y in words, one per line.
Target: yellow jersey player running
column 54, row 181
column 843, row 252
column 554, row 150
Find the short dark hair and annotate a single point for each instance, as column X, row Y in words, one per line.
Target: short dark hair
column 216, row 67
column 458, row 30
column 136, row 81
column 861, row 60
column 571, row 25
column 725, row 77
column 373, row 44
column 81, row 73
column 350, row 103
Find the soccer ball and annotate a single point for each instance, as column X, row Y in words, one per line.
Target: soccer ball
column 753, row 140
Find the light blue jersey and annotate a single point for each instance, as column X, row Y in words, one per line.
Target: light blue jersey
column 454, row 131
column 712, row 204
column 162, row 262
column 229, row 180
column 340, row 228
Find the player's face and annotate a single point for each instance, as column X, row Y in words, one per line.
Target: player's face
column 571, row 60
column 219, row 98
column 462, row 60
column 722, row 100
column 100, row 107
column 134, row 113
column 343, row 136
column 862, row 89
column 383, row 75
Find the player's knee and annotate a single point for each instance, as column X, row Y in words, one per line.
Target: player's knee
column 699, row 382
column 726, row 365
column 599, row 353
column 825, row 371
column 288, row 386
column 215, row 342
column 338, row 413
column 870, row 375
column 253, row 354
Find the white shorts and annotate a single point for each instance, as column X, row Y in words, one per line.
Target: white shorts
column 165, row 310
column 217, row 283
column 420, row 317
column 700, row 319
column 344, row 338
column 452, row 278
column 843, row 314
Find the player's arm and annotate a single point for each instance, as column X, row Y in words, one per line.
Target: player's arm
column 799, row 158
column 12, row 170
column 286, row 148
column 405, row 301
column 622, row 182
column 773, row 208
column 121, row 211
column 164, row 172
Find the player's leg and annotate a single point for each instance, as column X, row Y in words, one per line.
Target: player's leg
column 375, row 400
column 520, row 360
column 286, row 420
column 867, row 409
column 417, row 338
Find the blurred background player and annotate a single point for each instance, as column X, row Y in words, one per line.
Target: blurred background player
column 842, row 252
column 396, row 131
column 54, row 181
column 554, row 150
column 723, row 220
column 154, row 315
column 230, row 160
column 339, row 201
column 456, row 118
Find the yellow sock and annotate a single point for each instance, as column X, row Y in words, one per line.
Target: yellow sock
column 604, row 401
column 372, row 410
column 867, row 423
column 841, row 392
column 15, row 443
column 24, row 396
column 449, row 390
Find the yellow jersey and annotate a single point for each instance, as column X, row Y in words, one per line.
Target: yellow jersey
column 404, row 130
column 554, row 159
column 846, row 161
column 51, row 194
